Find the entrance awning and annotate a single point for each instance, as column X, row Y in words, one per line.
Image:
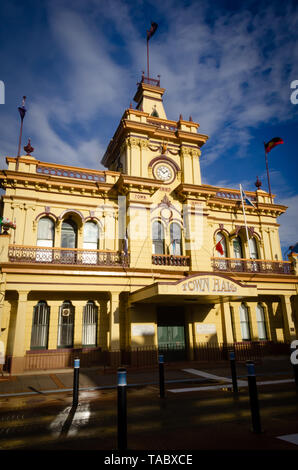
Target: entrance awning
column 199, row 288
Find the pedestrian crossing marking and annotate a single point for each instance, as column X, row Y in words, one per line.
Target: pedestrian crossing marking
column 292, row 438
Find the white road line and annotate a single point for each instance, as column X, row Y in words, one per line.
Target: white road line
column 241, row 383
column 293, row 438
column 212, row 376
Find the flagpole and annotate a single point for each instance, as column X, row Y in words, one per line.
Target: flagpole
column 244, row 215
column 22, row 112
column 266, row 159
column 147, row 56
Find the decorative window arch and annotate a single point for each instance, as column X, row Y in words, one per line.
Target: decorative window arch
column 244, row 322
column 90, row 322
column 40, row 326
column 66, row 325
column 175, row 239
column 260, row 313
column 158, row 238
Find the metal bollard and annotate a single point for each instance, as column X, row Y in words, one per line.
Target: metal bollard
column 161, row 376
column 76, row 371
column 253, row 397
column 233, row 371
column 122, row 409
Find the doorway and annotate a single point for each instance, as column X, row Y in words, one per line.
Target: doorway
column 171, row 333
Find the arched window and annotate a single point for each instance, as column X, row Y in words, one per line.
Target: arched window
column 91, row 242
column 237, row 247
column 40, row 326
column 221, row 251
column 175, row 239
column 244, row 322
column 253, row 248
column 45, row 238
column 261, row 322
column 91, row 236
column 221, row 239
column 90, row 319
column 45, row 232
column 66, row 325
column 158, row 239
column 69, row 232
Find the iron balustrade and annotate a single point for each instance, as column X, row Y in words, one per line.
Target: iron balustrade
column 170, row 260
column 150, row 81
column 38, row 254
column 251, row 265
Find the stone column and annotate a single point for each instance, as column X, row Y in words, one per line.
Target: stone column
column 18, row 351
column 288, row 318
column 78, row 322
column 114, row 321
column 227, row 328
column 189, row 333
column 53, row 327
column 252, row 315
column 236, row 306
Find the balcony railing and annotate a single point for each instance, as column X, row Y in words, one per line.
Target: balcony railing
column 170, row 260
column 38, row 254
column 251, row 265
column 150, row 81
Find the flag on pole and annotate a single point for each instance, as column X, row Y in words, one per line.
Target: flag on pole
column 219, row 247
column 22, row 109
column 245, row 198
column 152, row 30
column 272, row 143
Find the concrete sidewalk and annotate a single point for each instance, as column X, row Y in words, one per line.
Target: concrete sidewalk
column 50, row 381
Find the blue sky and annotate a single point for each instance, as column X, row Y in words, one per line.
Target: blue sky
column 227, row 64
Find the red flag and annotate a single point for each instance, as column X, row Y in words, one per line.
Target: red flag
column 152, row 30
column 272, row 143
column 219, row 247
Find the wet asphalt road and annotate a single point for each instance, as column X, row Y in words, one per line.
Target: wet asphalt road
column 196, row 420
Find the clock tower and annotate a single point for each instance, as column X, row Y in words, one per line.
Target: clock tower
column 147, row 144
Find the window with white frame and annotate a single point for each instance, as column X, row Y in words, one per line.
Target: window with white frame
column 253, row 248
column 91, row 242
column 66, row 325
column 158, row 238
column 244, row 322
column 45, row 232
column 262, row 334
column 40, row 326
column 90, row 321
column 237, row 247
column 175, row 239
column 45, row 239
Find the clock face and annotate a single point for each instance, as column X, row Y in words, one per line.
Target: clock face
column 164, row 173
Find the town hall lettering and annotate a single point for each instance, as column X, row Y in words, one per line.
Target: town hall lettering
column 206, row 284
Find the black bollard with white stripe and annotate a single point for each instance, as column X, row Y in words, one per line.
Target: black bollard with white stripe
column 122, row 409
column 253, row 397
column 233, row 371
column 76, row 371
column 161, row 376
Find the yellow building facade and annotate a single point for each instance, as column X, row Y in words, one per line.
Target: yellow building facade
column 104, row 262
